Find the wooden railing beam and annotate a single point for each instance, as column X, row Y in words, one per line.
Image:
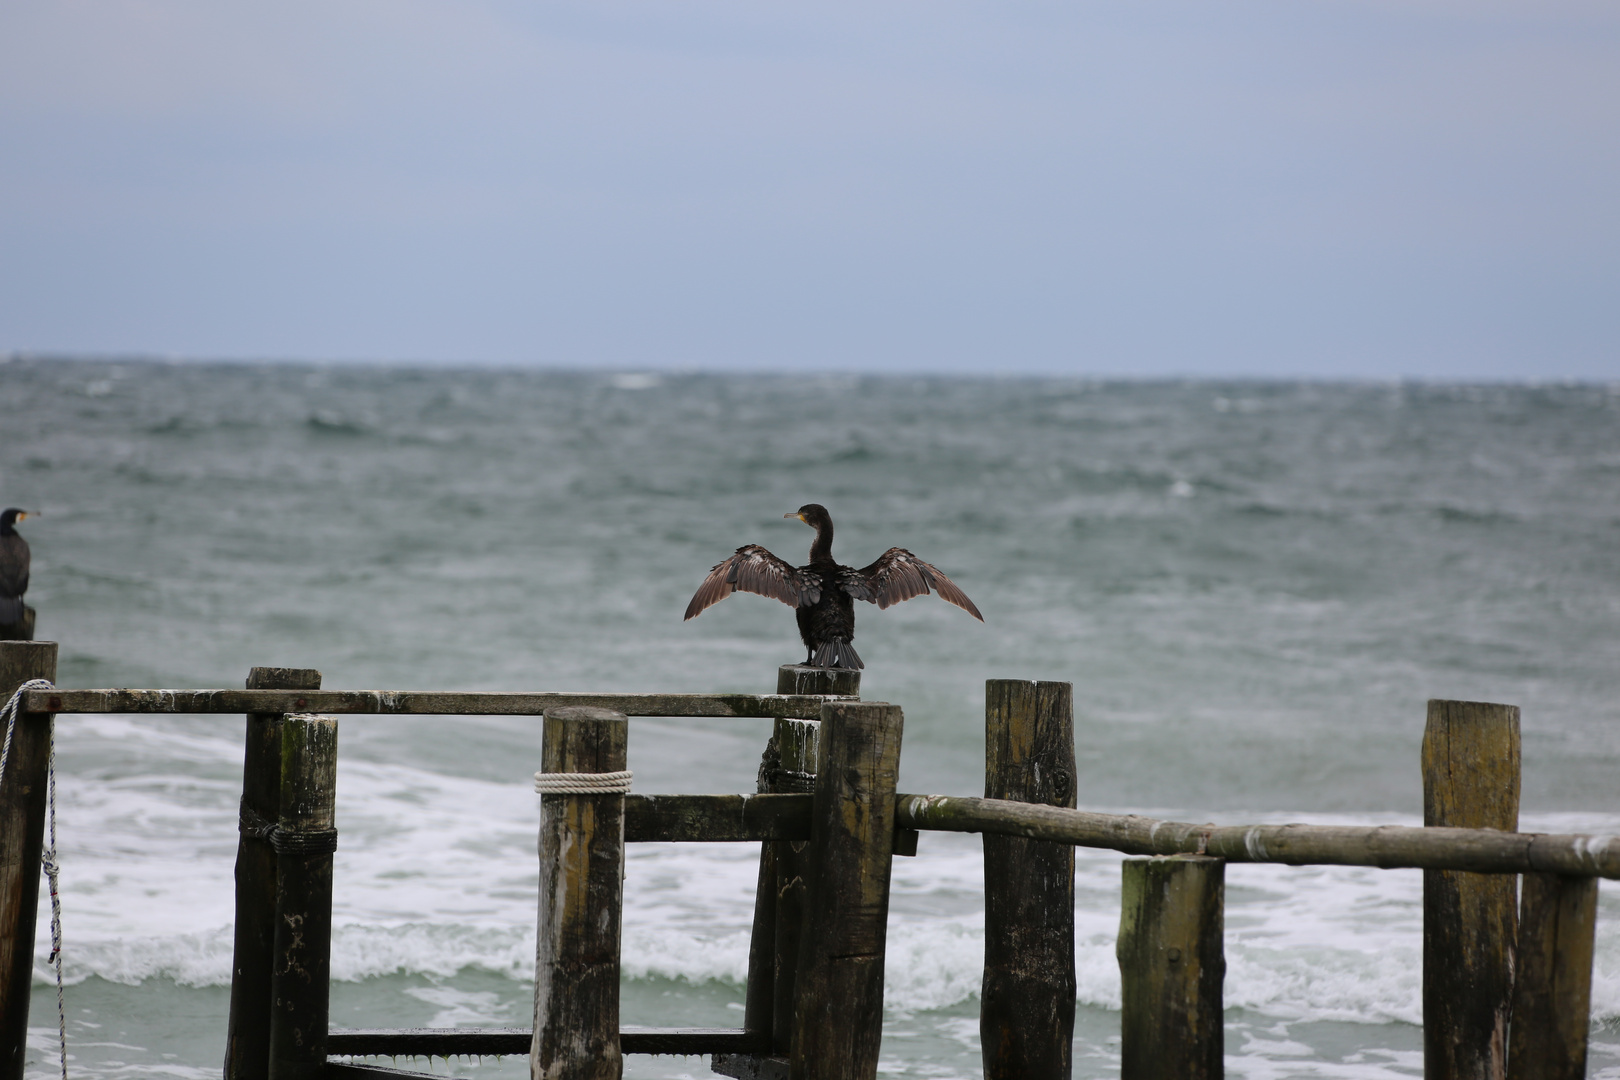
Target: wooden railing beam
column 420, row 703
column 511, row 1042
column 1480, row 851
column 710, row 818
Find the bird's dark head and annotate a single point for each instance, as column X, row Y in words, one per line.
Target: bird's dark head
column 812, row 514
column 10, row 516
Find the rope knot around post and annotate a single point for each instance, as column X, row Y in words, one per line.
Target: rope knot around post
column 616, row 782
column 285, row 841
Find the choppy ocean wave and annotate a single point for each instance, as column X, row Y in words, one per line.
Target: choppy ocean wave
column 1253, row 586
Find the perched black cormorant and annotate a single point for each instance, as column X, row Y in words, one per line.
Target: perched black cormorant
column 14, row 559
column 823, row 594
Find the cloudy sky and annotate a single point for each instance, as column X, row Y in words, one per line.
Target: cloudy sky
column 1368, row 189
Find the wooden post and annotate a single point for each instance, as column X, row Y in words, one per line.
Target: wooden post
column 304, row 839
column 22, row 840
column 576, row 982
column 1470, row 780
column 789, row 765
column 1026, row 1005
column 247, row 1039
column 1171, row 964
column 838, row 1007
column 1552, row 988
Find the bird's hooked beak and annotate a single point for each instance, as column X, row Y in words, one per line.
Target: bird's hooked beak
column 796, row 514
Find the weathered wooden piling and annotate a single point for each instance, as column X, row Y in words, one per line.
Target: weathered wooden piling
column 788, row 766
column 1172, row 961
column 796, row 746
column 22, row 840
column 576, row 986
column 1026, row 1005
column 838, row 1004
column 247, row 1038
column 304, row 839
column 1552, row 985
column 1470, row 921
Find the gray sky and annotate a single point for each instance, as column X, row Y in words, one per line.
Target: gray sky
column 1377, row 189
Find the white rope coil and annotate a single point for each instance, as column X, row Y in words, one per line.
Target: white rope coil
column 583, row 783
column 10, row 714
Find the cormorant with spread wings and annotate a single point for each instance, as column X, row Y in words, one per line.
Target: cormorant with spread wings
column 823, row 594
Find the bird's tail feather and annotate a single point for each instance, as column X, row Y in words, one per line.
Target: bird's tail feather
column 838, row 654
column 11, row 610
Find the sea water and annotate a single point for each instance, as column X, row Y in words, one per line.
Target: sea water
column 1254, row 587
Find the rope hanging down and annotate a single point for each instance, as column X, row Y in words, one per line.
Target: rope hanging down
column 48, row 856
column 583, row 783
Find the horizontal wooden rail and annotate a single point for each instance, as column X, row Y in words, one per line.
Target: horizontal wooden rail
column 409, row 702
column 1483, row 851
column 511, row 1042
column 728, row 818
column 716, row 817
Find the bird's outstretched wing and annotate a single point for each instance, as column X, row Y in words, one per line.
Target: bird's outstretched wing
column 755, row 570
column 899, row 575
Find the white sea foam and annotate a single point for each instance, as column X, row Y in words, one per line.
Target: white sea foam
column 436, row 874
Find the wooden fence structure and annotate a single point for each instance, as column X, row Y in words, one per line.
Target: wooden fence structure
column 1507, row 970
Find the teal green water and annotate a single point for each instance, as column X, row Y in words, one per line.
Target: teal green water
column 1253, row 586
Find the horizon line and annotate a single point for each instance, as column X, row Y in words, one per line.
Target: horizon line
column 153, row 359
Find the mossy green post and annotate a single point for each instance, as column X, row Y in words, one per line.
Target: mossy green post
column 1172, row 963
